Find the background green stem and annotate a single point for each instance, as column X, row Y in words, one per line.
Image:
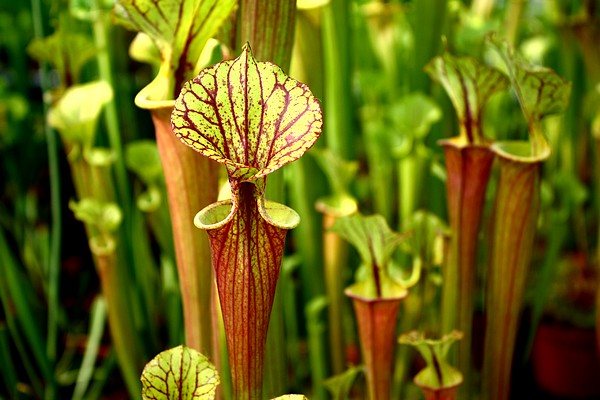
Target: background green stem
column 98, row 322
column 101, row 26
column 126, row 343
column 512, row 19
column 336, row 63
column 335, row 262
column 316, row 346
column 27, row 332
column 56, row 214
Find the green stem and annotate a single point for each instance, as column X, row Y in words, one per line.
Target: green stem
column 335, row 261
column 56, row 215
column 380, row 162
column 275, row 374
column 269, row 27
column 302, row 200
column 336, row 61
column 15, row 298
column 428, row 28
column 101, row 36
column 101, row 28
column 413, row 171
column 512, row 19
column 103, row 373
column 23, row 350
column 291, row 318
column 98, row 318
column 275, row 355
column 316, row 346
column 122, row 328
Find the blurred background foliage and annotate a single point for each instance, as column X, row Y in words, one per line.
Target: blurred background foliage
column 364, row 60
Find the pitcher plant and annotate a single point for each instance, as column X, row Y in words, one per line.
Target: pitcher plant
column 251, row 117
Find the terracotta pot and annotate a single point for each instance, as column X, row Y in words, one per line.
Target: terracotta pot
column 565, row 361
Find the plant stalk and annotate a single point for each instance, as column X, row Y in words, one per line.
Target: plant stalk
column 335, row 260
column 469, row 170
column 246, row 254
column 516, row 211
column 316, row 349
column 191, row 185
column 376, row 319
column 122, row 326
column 269, row 27
column 56, row 212
column 336, row 60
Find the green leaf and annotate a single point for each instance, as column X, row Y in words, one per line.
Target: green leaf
column 99, row 156
column 76, row 114
column 88, row 10
column 340, row 385
column 469, row 84
column 180, row 373
column 427, row 235
column 438, row 373
column 143, row 159
column 180, row 30
column 414, row 114
column 103, row 215
column 340, row 174
column 540, row 91
column 68, row 52
column 100, row 219
column 375, row 243
column 144, row 49
column 161, row 21
column 247, row 115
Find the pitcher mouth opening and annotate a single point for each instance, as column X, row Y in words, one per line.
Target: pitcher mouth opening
column 520, row 151
column 220, row 213
column 153, row 95
column 214, row 215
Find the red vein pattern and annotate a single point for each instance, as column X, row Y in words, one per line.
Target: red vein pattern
column 248, row 115
column 246, row 255
column 469, row 84
column 179, row 28
column 179, row 373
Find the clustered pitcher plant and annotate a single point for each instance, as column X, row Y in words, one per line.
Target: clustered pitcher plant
column 441, row 203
